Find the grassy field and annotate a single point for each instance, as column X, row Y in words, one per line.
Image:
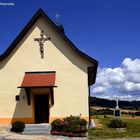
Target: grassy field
column 103, row 132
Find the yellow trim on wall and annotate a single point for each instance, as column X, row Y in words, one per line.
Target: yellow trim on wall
column 30, row 120
column 12, row 120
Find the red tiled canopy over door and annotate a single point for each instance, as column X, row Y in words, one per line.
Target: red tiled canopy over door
column 38, row 79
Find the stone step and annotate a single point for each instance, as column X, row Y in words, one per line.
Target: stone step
column 48, row 127
column 36, row 133
column 37, row 125
column 37, row 129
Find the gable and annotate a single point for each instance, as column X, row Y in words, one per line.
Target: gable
column 41, row 17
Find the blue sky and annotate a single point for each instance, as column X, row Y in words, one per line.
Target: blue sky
column 107, row 30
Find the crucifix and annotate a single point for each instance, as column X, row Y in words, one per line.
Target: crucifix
column 117, row 110
column 41, row 41
column 117, row 102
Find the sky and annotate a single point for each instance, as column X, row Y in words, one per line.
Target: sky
column 107, row 30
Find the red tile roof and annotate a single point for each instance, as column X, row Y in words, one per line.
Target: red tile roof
column 43, row 79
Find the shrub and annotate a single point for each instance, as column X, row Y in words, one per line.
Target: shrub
column 103, row 112
column 18, row 126
column 74, row 124
column 56, row 124
column 137, row 113
column 72, row 119
column 117, row 123
column 70, row 126
column 82, row 122
column 133, row 114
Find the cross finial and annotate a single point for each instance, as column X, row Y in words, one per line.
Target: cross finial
column 57, row 17
column 41, row 41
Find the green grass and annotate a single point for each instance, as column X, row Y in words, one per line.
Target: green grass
column 132, row 130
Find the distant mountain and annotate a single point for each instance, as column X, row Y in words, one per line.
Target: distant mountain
column 94, row 101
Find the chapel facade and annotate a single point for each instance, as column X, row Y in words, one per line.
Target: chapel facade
column 43, row 76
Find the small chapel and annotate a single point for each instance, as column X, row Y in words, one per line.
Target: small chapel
column 43, row 76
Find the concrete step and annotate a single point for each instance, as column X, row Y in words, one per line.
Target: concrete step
column 34, row 128
column 36, row 133
column 37, row 125
column 37, row 129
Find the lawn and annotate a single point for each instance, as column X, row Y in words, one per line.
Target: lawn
column 104, row 132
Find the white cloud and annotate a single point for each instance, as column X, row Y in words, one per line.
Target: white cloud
column 126, row 97
column 131, row 65
column 99, row 89
column 130, row 86
column 133, row 77
column 123, row 81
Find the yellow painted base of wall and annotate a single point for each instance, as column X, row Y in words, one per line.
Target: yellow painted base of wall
column 29, row 120
column 12, row 120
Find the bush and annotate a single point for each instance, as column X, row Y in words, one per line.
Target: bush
column 117, row 123
column 133, row 114
column 56, row 124
column 137, row 113
column 82, row 122
column 70, row 126
column 18, row 126
column 74, row 124
column 72, row 119
column 103, row 112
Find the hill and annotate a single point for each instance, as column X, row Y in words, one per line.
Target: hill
column 94, row 101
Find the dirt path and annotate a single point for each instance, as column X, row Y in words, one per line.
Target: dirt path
column 97, row 124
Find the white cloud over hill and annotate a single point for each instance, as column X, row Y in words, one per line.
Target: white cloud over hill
column 123, row 81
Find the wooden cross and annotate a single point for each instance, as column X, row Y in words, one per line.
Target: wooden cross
column 41, row 41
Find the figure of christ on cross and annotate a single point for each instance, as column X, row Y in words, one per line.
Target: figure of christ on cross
column 41, row 41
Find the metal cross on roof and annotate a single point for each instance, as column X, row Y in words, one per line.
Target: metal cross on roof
column 41, row 41
column 57, row 18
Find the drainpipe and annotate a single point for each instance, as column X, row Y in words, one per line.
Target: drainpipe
column 89, row 124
